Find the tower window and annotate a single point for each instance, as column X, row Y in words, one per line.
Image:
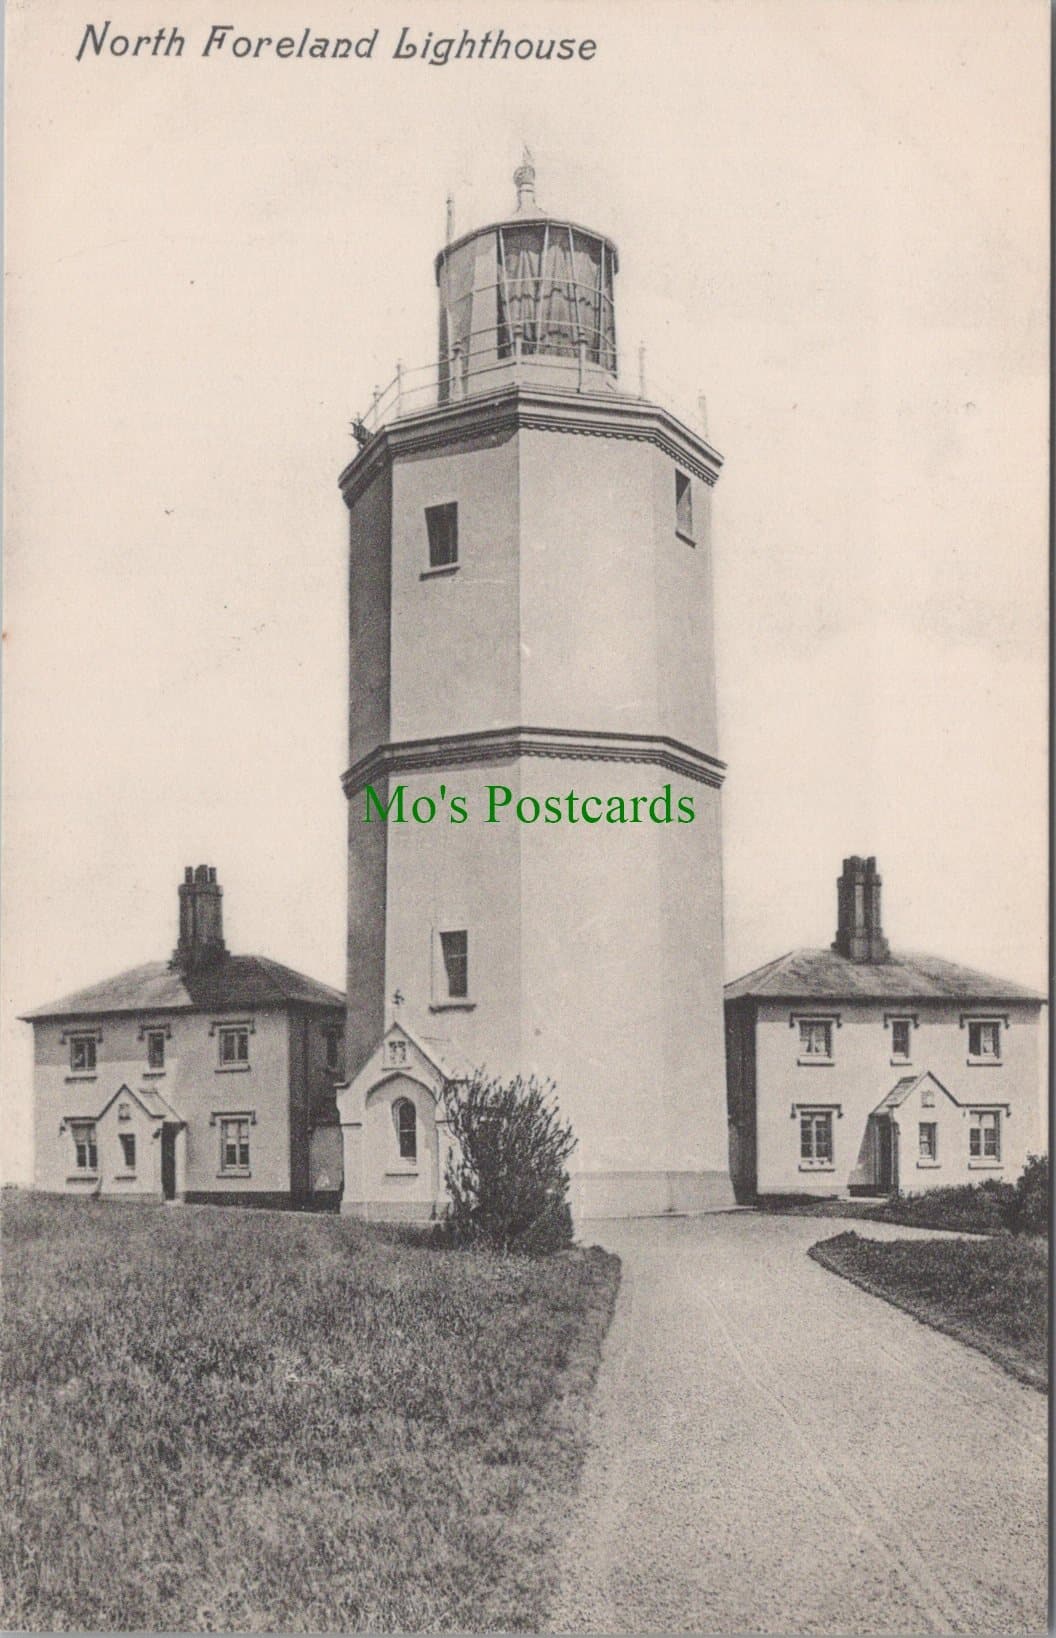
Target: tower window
column 684, row 507
column 127, row 1141
column 455, row 948
column 156, row 1049
column 441, row 522
column 406, row 1128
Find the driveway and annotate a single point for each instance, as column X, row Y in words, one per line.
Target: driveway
column 775, row 1451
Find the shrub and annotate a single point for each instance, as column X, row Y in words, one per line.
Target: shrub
column 506, row 1178
column 1029, row 1208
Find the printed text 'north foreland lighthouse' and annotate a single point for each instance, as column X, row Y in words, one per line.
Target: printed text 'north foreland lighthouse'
column 531, row 614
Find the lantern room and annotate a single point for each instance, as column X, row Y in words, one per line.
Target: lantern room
column 528, row 299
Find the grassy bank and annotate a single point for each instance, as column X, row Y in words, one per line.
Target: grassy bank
column 234, row 1420
column 991, row 1294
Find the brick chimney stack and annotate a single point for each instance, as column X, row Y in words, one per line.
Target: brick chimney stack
column 859, row 929
column 201, row 919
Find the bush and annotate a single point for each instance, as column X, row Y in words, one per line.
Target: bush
column 1029, row 1208
column 506, row 1178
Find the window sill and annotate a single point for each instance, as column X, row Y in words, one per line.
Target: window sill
column 83, row 1177
column 986, row 1165
column 153, row 1074
column 83, row 1075
column 440, row 569
column 983, row 1063
column 232, row 1069
column 452, row 1006
column 679, row 535
column 901, row 1063
column 817, row 1166
column 234, row 1174
column 401, row 1171
column 815, row 1063
column 124, row 1177
column 927, row 1165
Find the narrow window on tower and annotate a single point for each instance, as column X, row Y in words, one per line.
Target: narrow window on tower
column 684, row 507
column 455, row 950
column 441, row 524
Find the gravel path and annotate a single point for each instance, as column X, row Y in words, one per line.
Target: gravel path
column 775, row 1451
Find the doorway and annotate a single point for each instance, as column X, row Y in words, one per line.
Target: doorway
column 886, row 1155
column 168, row 1162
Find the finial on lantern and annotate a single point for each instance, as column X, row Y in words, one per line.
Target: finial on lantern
column 524, row 182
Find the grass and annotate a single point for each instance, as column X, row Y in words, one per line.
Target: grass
column 991, row 1294
column 224, row 1420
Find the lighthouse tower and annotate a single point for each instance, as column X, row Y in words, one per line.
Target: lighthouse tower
column 534, row 788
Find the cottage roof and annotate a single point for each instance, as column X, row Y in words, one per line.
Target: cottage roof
column 229, row 982
column 825, row 975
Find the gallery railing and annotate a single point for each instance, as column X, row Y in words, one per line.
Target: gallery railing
column 565, row 358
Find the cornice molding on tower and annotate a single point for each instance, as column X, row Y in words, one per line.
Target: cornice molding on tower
column 538, row 409
column 500, row 744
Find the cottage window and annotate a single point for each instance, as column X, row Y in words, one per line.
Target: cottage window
column 441, row 524
column 234, row 1143
column 455, row 948
column 156, row 1049
column 127, row 1141
column 406, row 1128
column 984, row 1039
column 901, row 1038
column 815, row 1038
column 984, row 1135
column 684, row 507
column 815, row 1137
column 82, row 1054
column 85, row 1148
column 929, row 1149
column 332, row 1037
column 234, row 1046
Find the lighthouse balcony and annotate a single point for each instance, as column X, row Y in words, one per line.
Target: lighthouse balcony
column 565, row 358
column 562, row 359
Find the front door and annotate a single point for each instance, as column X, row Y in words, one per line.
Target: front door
column 168, row 1162
column 885, row 1142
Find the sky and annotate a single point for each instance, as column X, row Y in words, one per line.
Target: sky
column 832, row 222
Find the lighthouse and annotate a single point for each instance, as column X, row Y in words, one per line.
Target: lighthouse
column 534, row 836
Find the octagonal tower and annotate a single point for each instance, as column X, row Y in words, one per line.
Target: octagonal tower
column 531, row 619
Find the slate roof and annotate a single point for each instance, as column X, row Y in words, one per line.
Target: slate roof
column 228, row 983
column 816, row 975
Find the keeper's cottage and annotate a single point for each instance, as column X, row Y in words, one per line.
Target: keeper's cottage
column 863, row 1070
column 208, row 1077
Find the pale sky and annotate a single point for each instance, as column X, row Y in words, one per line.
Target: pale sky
column 832, row 221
